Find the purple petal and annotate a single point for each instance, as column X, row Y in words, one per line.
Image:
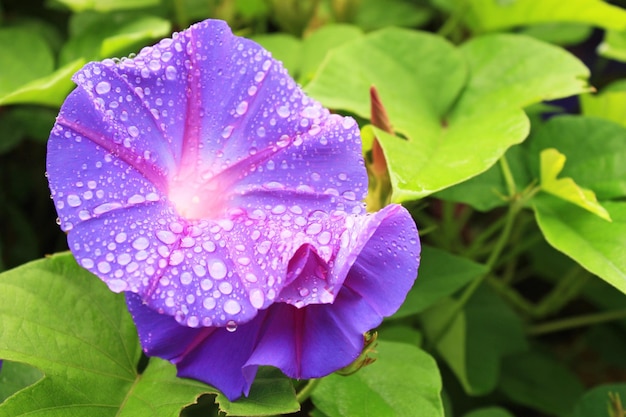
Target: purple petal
column 200, row 153
column 307, row 342
column 213, row 355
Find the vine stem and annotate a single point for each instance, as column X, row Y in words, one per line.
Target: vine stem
column 511, row 215
column 573, row 322
column 307, row 390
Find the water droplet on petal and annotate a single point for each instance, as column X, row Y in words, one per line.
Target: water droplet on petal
column 73, row 200
column 86, row 263
column 242, row 108
column 324, row 237
column 103, row 87
column 209, row 303
column 257, row 298
column 104, row 267
column 186, row 278
column 166, row 237
column 231, row 326
column 283, row 111
column 232, row 307
column 217, row 269
column 170, row 73
column 176, row 258
column 141, row 243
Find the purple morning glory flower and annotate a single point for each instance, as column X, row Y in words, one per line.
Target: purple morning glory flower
column 198, row 178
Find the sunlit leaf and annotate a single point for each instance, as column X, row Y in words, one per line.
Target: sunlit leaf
column 456, row 125
column 609, row 104
column 50, row 90
column 614, row 45
column 376, row 389
column 106, row 5
column 552, row 162
column 594, row 243
column 487, row 15
column 594, row 148
column 64, row 321
column 24, row 57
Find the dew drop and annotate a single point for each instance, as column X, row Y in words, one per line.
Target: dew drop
column 73, row 200
column 225, row 287
column 250, row 277
column 104, row 267
column 231, row 326
column 283, row 111
column 313, row 229
column 206, row 284
column 124, row 259
column 170, row 72
column 141, row 243
column 257, row 298
column 209, row 303
column 264, row 247
column 176, row 258
column 186, row 278
column 242, row 108
column 133, row 131
column 86, row 263
column 103, row 87
column 232, row 307
column 228, row 130
column 193, row 321
column 217, row 269
column 120, row 237
column 324, row 237
column 166, row 237
column 117, row 285
column 208, row 246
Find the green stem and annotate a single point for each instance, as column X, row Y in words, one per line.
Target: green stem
column 573, row 322
column 307, row 390
column 508, row 176
column 565, row 290
column 514, row 208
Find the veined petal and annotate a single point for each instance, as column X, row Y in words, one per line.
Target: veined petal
column 307, row 341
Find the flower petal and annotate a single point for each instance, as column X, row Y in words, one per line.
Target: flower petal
column 213, row 355
column 307, row 342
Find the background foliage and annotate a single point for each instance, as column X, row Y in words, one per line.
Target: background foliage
column 504, row 134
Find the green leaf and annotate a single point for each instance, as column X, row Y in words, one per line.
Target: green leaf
column 596, row 401
column 441, row 274
column 25, row 56
column 489, row 412
column 15, row 376
column 613, row 45
column 594, row 243
column 64, row 321
column 285, row 48
column 106, row 5
column 480, row 335
column 594, row 148
column 563, row 34
column 303, row 58
column 316, row 46
column 271, row 394
column 459, row 109
column 552, row 162
column 50, row 90
column 489, row 190
column 375, row 14
column 540, row 382
column 376, row 389
column 488, row 15
column 96, row 36
column 609, row 104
